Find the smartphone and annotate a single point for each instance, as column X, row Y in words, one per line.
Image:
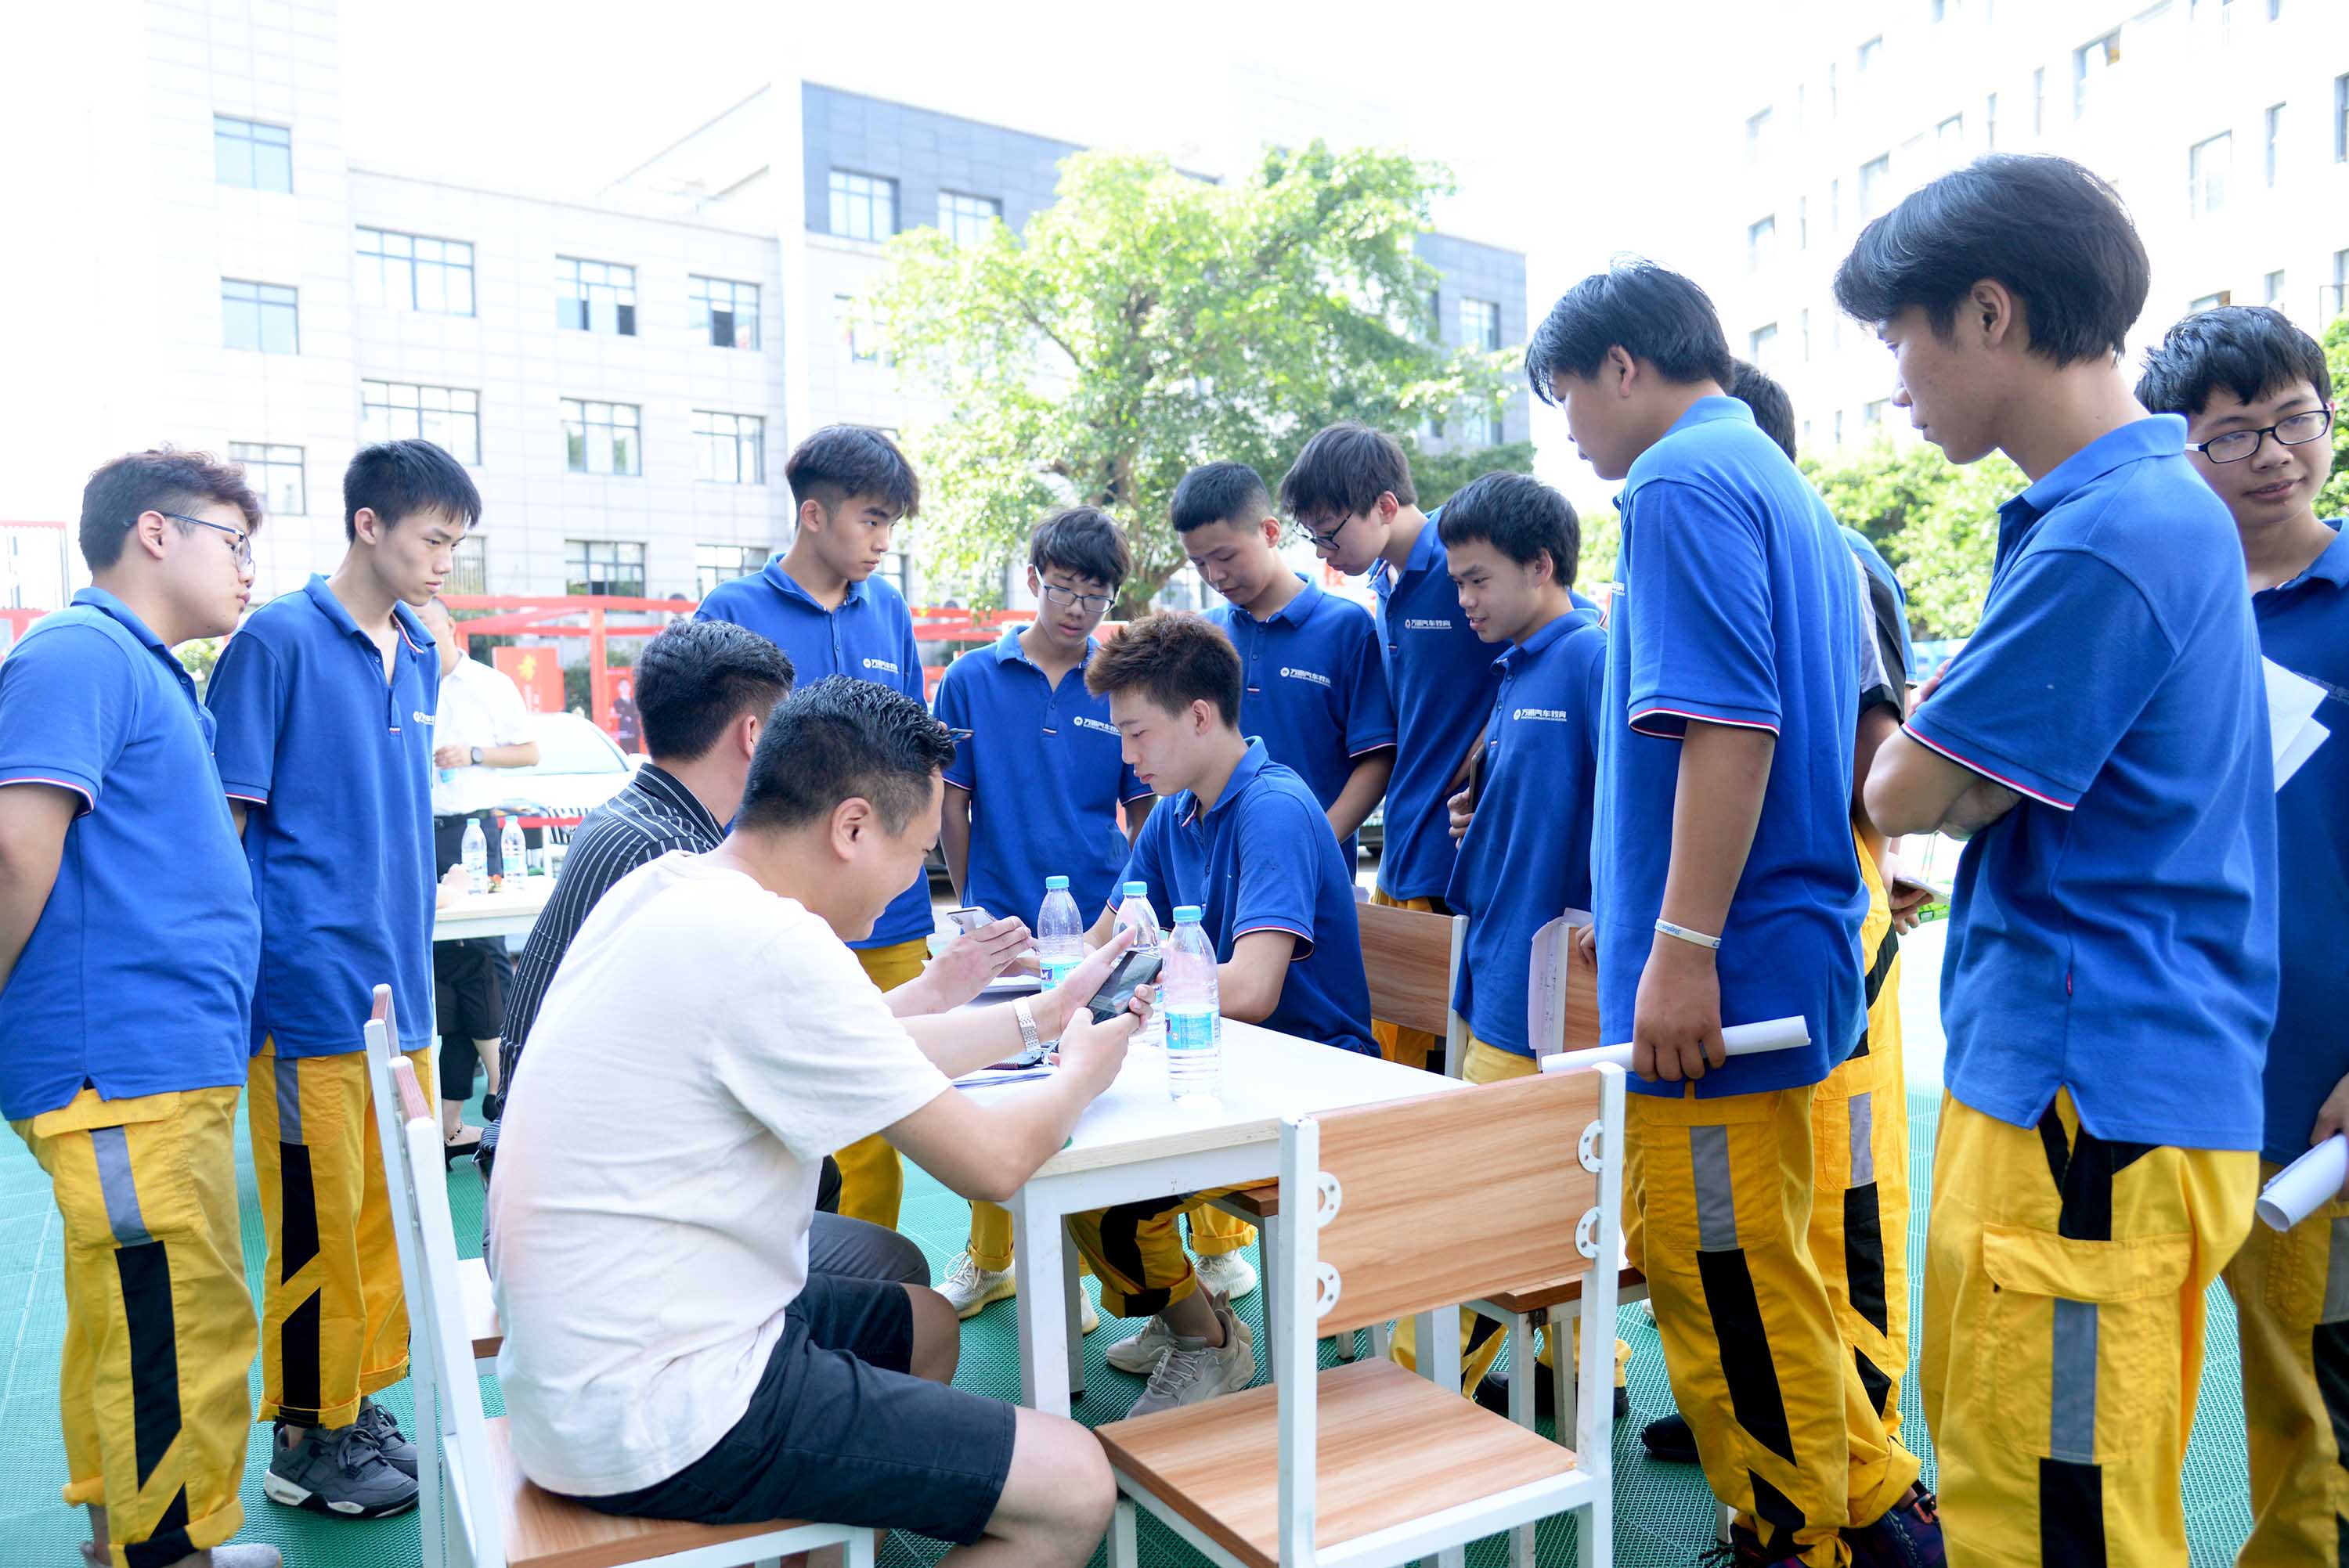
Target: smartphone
column 970, row 919
column 1135, row 969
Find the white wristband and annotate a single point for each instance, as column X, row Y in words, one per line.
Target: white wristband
column 1685, row 934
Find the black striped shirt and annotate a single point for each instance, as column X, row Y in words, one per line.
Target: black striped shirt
column 646, row 821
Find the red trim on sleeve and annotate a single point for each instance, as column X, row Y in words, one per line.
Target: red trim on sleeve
column 1989, row 773
column 1683, row 714
column 88, row 801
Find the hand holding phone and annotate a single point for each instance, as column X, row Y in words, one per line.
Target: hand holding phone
column 1133, row 971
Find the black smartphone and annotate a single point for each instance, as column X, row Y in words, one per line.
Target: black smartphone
column 1132, row 970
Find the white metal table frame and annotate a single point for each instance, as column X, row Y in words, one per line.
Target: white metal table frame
column 1135, row 1143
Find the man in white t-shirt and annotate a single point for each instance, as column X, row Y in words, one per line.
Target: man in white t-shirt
column 707, row 1040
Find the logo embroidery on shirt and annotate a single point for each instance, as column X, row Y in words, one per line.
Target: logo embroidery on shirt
column 881, row 664
column 1316, row 676
column 1084, row 723
column 421, row 717
column 1551, row 715
column 1421, row 624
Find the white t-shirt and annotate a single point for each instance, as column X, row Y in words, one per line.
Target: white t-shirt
column 704, row 1045
column 479, row 706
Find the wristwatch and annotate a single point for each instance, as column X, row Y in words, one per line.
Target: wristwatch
column 1029, row 1039
column 477, row 757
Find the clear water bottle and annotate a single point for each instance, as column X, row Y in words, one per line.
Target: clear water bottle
column 477, row 858
column 1194, row 1009
column 1135, row 911
column 1059, row 932
column 513, row 856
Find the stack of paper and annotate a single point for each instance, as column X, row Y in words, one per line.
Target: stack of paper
column 2293, row 734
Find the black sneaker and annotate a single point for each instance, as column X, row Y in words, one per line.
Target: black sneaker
column 338, row 1471
column 388, row 1436
column 1668, row 1439
column 1493, row 1393
column 1907, row 1536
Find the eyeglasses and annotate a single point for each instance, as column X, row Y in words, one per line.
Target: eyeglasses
column 241, row 549
column 1328, row 541
column 1069, row 598
column 2295, row 431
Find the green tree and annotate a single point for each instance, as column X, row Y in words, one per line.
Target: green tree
column 2333, row 501
column 1936, row 523
column 1148, row 321
column 1436, row 477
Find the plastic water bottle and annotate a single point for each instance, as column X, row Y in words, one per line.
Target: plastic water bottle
column 1194, row 1009
column 1135, row 911
column 1059, row 932
column 477, row 858
column 512, row 857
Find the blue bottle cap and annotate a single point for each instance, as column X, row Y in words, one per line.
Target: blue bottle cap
column 1056, row 884
column 1137, row 890
column 1185, row 911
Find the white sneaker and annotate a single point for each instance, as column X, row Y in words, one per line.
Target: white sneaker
column 1088, row 1314
column 968, row 1287
column 1189, row 1372
column 1228, row 1275
column 1140, row 1352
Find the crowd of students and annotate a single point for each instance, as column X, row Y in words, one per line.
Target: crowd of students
column 727, row 1029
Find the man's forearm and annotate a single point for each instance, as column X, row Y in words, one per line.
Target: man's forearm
column 958, row 1043
column 34, row 820
column 1725, row 771
column 1364, row 787
column 521, row 754
column 953, row 837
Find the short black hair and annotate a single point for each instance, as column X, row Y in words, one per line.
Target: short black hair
column 1650, row 313
column 842, row 739
column 396, row 479
column 161, row 479
column 843, row 460
column 698, row 678
column 1773, row 409
column 1225, row 493
column 1517, row 515
column 1344, row 470
column 1083, row 540
column 1173, row 658
column 2053, row 233
column 2252, row 350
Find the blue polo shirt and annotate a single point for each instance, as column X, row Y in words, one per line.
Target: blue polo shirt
column 2304, row 626
column 1313, row 686
column 1441, row 675
column 335, row 765
column 870, row 636
column 1730, row 569
column 138, row 977
column 1526, row 858
column 2115, row 934
column 1264, row 859
column 1043, row 765
column 1881, row 570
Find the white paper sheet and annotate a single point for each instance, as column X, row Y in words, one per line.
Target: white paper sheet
column 1736, row 1041
column 1546, row 997
column 2293, row 734
column 2305, row 1185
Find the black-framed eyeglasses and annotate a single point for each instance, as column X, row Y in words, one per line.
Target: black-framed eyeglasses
column 2294, row 431
column 241, row 549
column 1328, row 541
column 1069, row 598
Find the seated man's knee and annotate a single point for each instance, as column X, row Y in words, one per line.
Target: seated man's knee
column 899, row 1259
column 1059, row 1494
column 938, row 1335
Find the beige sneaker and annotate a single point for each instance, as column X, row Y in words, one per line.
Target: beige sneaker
column 1188, row 1371
column 967, row 1287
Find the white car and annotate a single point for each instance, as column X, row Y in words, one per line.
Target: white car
column 578, row 768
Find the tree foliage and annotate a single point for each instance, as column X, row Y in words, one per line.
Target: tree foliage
column 1148, row 321
column 2333, row 500
column 1935, row 521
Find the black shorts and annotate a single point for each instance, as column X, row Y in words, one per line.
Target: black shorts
column 839, row 1431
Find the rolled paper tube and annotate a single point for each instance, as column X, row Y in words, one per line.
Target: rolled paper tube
column 2305, row 1185
column 1736, row 1041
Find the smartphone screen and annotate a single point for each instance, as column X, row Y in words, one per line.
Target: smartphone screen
column 970, row 919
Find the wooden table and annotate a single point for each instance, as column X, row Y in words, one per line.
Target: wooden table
column 1133, row 1142
column 493, row 913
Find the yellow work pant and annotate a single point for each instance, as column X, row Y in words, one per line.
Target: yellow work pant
column 1787, row 1434
column 1213, row 1233
column 158, row 1327
column 1481, row 1340
column 1135, row 1254
column 334, row 1316
column 872, row 1176
column 2291, row 1312
column 1413, row 1047
column 2062, row 1341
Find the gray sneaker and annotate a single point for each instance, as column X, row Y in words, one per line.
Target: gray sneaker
column 1189, row 1372
column 388, row 1437
column 339, row 1472
column 1139, row 1353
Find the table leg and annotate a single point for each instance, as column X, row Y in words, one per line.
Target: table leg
column 1522, row 1367
column 1038, row 1262
column 1072, row 1324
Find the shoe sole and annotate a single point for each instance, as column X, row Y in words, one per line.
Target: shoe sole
column 277, row 1489
column 1238, row 1294
column 1117, row 1356
column 1004, row 1290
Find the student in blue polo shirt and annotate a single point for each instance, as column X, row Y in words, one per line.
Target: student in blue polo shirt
column 1243, row 837
column 127, row 941
column 1314, row 683
column 323, row 703
column 1729, row 892
column 1049, row 758
column 2258, row 402
column 2111, row 972
column 820, row 602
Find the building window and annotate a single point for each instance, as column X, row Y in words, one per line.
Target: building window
column 1835, row 206
column 447, row 417
column 1806, row 336
column 2090, row 61
column 277, row 472
column 858, row 335
column 2208, row 164
column 1480, row 325
column 1871, row 51
column 2211, row 301
column 1875, row 181
column 469, row 571
column 729, row 448
column 863, row 206
column 2039, row 101
column 1871, row 415
column 601, row 438
column 250, row 154
column 1838, row 426
column 716, row 564
column 1761, row 242
column 409, row 272
column 2341, row 119
column 2272, row 288
column 1761, row 347
column 1802, row 222
column 259, row 316
column 1990, row 123
column 1757, row 136
column 966, row 219
column 2274, row 142
column 594, row 297
column 728, row 311
column 611, row 566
